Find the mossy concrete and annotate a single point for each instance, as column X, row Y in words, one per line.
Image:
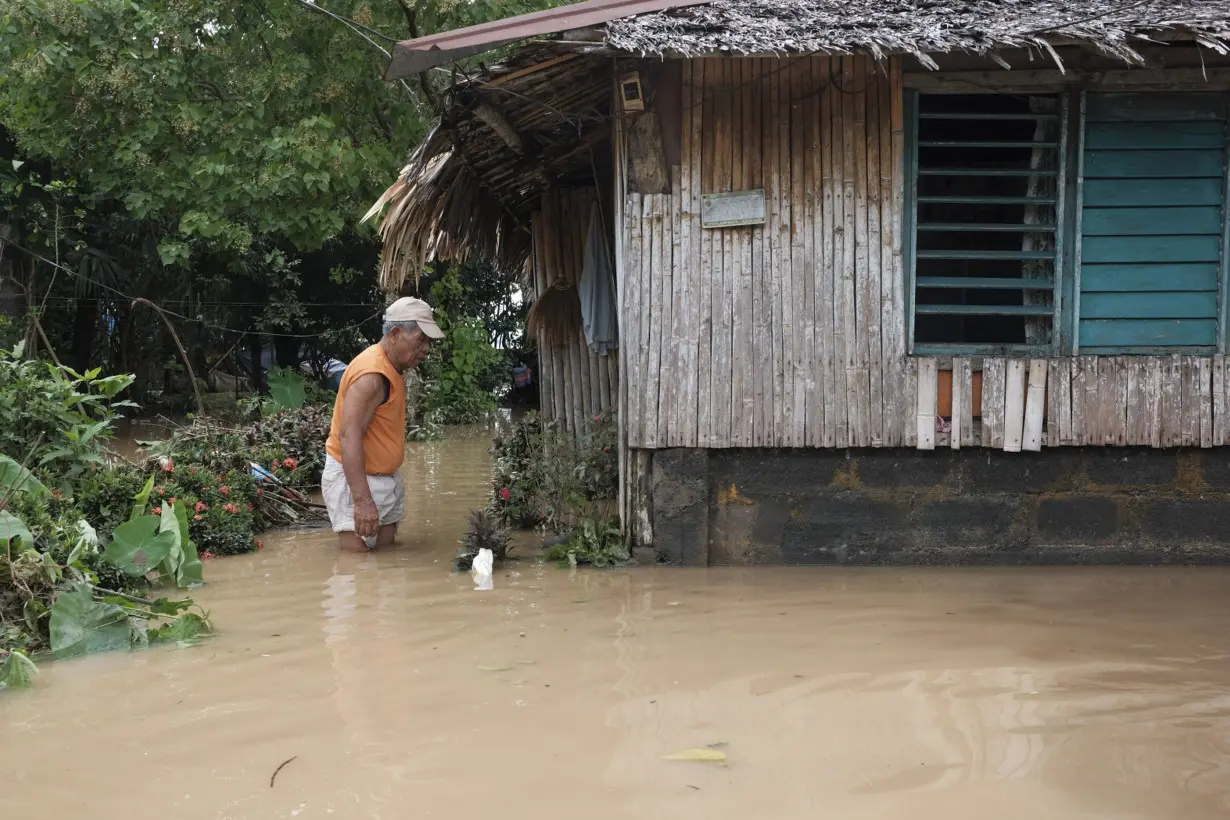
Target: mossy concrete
column 907, row 507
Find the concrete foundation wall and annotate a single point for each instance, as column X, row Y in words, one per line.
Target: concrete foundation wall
column 1069, row 506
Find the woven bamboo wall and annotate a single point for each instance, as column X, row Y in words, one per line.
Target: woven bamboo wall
column 574, row 383
column 791, row 333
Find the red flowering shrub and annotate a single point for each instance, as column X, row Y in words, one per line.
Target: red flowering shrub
column 220, row 525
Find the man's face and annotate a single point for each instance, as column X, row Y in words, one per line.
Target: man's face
column 409, row 348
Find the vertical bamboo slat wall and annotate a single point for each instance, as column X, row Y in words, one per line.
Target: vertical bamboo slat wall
column 792, row 333
column 574, row 383
column 1177, row 401
column 788, row 334
column 1096, row 401
column 1091, row 401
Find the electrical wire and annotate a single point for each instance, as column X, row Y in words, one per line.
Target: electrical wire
column 226, row 303
column 356, row 27
column 221, row 328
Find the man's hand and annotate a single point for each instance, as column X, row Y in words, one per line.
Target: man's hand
column 366, row 518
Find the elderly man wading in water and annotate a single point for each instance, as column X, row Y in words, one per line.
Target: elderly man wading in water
column 362, row 482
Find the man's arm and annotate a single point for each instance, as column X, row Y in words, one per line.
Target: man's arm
column 362, row 400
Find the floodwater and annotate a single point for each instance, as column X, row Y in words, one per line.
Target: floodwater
column 397, row 691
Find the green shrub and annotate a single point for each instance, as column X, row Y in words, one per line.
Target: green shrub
column 545, row 476
column 222, row 516
column 64, row 588
column 458, row 375
column 598, row 459
column 104, row 496
column 53, row 418
column 55, row 520
column 197, row 461
column 520, row 463
column 222, row 507
column 464, row 371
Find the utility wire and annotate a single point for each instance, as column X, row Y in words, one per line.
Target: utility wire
column 221, row 328
column 360, row 30
column 357, row 28
column 222, row 303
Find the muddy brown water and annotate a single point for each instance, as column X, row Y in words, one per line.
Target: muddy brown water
column 400, row 692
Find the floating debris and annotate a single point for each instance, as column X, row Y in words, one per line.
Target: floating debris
column 274, row 776
column 705, row 755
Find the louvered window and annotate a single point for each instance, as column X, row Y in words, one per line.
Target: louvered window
column 1028, row 235
column 985, row 199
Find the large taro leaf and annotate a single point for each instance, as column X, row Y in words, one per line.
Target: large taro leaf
column 80, row 625
column 16, row 670
column 182, row 562
column 137, row 546
column 287, row 389
column 13, row 527
column 15, row 477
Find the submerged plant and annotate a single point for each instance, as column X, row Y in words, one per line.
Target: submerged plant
column 487, row 531
column 545, row 476
column 597, row 542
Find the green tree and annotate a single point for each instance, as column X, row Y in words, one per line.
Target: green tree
column 465, row 370
column 221, row 122
column 212, row 156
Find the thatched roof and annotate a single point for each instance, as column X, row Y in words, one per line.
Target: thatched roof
column 471, row 186
column 917, row 27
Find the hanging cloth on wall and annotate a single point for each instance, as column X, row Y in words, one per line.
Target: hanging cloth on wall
column 596, row 291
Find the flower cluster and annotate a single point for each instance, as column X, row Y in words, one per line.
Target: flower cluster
column 221, row 520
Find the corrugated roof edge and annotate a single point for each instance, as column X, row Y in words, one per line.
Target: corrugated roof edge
column 412, row 57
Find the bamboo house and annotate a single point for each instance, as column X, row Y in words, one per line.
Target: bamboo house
column 895, row 281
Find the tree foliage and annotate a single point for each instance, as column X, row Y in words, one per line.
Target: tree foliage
column 223, row 123
column 212, row 156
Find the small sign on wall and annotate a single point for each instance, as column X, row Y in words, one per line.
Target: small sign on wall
column 732, row 209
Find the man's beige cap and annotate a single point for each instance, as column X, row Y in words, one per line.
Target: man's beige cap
column 409, row 309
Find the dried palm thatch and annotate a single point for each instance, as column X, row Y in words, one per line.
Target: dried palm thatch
column 918, row 27
column 509, row 134
column 461, row 221
column 555, row 316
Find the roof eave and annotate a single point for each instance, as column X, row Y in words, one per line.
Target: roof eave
column 412, row 57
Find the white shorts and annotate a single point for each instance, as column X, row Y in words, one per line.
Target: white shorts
column 388, row 492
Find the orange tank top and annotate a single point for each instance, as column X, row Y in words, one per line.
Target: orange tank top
column 384, row 444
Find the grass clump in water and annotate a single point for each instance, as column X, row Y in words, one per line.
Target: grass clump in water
column 486, row 531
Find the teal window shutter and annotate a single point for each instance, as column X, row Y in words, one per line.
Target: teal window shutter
column 1152, row 190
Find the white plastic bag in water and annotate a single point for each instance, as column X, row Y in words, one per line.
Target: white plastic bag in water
column 482, row 569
